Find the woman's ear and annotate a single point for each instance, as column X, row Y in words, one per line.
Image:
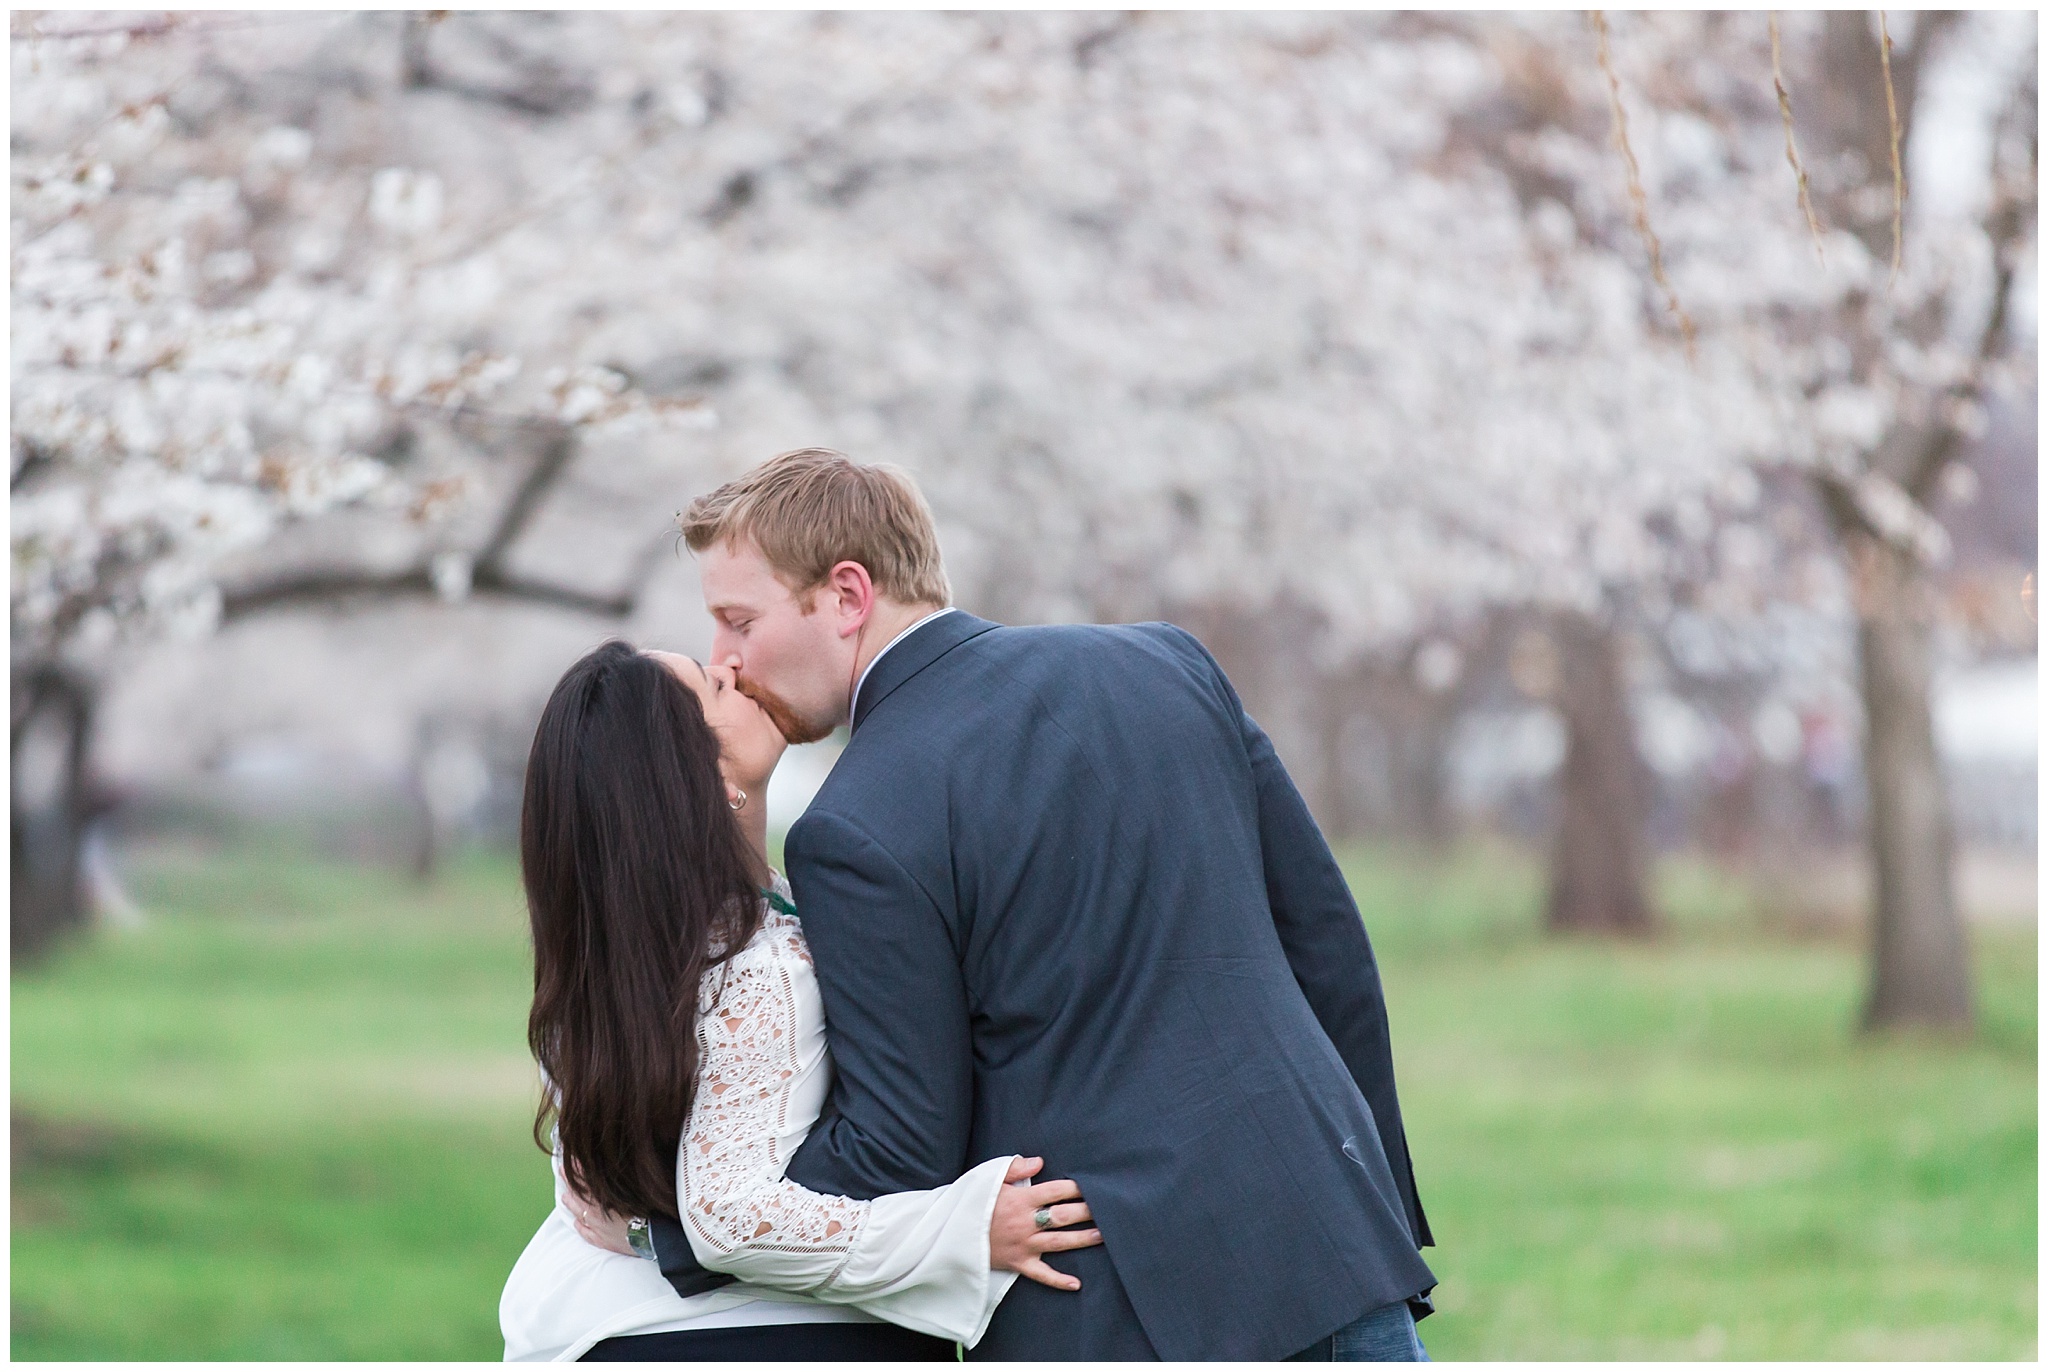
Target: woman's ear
column 734, row 796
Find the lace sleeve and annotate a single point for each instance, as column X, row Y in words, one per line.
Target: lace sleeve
column 734, row 1196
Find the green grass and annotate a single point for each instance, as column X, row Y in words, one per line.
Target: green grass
column 1679, row 1149
column 288, row 1119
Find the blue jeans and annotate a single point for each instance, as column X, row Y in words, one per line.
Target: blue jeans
column 1383, row 1335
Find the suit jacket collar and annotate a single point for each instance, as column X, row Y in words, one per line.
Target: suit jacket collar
column 913, row 653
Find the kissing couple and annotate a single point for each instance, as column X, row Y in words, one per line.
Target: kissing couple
column 1058, row 911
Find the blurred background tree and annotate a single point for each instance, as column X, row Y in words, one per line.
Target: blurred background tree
column 1416, row 346
column 226, row 326
column 1569, row 433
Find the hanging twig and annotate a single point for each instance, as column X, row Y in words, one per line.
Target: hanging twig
column 1792, row 146
column 1891, row 109
column 1639, row 201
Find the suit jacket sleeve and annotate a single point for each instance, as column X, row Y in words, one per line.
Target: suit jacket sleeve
column 1325, row 941
column 678, row 1261
column 896, row 1018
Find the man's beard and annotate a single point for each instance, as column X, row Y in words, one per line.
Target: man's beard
column 786, row 720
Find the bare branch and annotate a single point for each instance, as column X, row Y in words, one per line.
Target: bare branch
column 1873, row 506
column 1933, row 451
column 1891, row 108
column 488, row 577
column 319, row 587
column 415, row 583
column 1639, row 200
column 159, row 28
column 33, row 460
column 1090, row 44
column 2010, row 221
column 2006, row 225
column 502, row 586
column 557, row 447
column 1791, row 145
column 537, row 86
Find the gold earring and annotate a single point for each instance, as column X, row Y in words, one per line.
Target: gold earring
column 741, row 803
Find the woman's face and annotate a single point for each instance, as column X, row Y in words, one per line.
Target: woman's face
column 749, row 744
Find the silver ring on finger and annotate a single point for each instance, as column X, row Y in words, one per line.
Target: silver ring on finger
column 1042, row 1217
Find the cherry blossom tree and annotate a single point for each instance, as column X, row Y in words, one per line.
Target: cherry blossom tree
column 237, row 306
column 1210, row 317
column 1900, row 377
column 1339, row 337
column 1371, row 316
column 1882, row 340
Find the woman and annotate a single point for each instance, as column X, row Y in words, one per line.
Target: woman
column 677, row 1023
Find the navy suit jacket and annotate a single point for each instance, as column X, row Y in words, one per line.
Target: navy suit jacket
column 1063, row 900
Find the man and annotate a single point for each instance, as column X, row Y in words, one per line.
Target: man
column 1064, row 900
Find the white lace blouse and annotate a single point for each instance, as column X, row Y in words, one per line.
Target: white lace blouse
column 914, row 1258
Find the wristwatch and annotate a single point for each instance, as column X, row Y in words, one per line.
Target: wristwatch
column 640, row 1237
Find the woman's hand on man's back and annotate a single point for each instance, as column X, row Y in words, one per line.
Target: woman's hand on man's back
column 1018, row 1242
column 599, row 1227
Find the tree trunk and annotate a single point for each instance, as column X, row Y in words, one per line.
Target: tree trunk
column 1333, row 809
column 1919, row 958
column 1417, row 754
column 1433, row 812
column 49, row 808
column 1414, row 727
column 1597, row 876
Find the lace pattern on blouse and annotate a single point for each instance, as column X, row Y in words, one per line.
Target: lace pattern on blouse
column 735, row 1194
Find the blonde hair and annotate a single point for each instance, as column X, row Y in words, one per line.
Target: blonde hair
column 810, row 509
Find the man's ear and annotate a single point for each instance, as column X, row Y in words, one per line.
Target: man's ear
column 852, row 593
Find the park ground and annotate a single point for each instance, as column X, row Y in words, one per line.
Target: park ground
column 289, row 1118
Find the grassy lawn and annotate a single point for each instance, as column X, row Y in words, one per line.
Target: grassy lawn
column 1679, row 1150
column 288, row 1119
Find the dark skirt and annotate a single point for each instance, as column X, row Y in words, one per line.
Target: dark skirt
column 813, row 1342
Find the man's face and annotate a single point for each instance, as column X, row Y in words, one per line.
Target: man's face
column 788, row 650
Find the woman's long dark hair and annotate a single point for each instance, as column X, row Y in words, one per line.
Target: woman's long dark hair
column 637, row 881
